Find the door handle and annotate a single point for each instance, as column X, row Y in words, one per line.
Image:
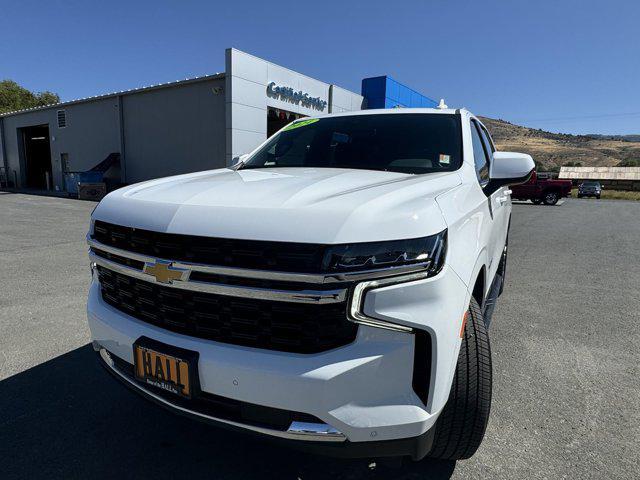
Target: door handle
column 504, row 198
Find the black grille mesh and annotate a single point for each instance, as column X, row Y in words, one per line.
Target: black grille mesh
column 255, row 254
column 281, row 326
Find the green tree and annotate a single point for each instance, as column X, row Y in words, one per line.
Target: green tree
column 14, row 97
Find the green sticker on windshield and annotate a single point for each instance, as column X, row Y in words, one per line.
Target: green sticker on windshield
column 303, row 123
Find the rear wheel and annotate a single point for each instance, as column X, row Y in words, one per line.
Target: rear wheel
column 550, row 198
column 460, row 428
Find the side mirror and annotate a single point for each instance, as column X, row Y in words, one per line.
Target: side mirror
column 239, row 160
column 509, row 168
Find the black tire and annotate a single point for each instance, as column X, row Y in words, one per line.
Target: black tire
column 550, row 198
column 579, row 196
column 536, row 201
column 598, row 197
column 463, row 421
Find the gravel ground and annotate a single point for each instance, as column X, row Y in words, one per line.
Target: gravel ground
column 564, row 338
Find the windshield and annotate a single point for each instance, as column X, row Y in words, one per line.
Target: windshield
column 591, row 184
column 407, row 143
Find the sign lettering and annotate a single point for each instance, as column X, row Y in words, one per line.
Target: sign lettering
column 298, row 97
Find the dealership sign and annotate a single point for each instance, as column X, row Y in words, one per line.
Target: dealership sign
column 299, row 98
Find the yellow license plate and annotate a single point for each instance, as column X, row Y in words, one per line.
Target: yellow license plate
column 161, row 370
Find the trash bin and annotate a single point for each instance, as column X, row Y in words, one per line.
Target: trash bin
column 72, row 179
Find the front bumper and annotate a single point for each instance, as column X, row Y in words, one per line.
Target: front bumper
column 310, row 437
column 361, row 392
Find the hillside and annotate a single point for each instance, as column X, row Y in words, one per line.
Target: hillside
column 624, row 138
column 553, row 150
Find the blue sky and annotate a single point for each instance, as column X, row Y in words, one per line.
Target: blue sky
column 563, row 65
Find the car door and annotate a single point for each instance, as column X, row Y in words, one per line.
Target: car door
column 498, row 201
column 503, row 198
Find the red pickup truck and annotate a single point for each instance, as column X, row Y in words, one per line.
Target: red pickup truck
column 542, row 189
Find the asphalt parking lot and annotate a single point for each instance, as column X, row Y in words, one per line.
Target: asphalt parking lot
column 565, row 340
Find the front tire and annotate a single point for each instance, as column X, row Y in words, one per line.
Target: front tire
column 460, row 428
column 550, row 198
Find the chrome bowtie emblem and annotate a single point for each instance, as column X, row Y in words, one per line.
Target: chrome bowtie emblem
column 165, row 272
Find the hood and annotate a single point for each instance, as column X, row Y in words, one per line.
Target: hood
column 309, row 205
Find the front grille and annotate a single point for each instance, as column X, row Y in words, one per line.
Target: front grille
column 273, row 325
column 227, row 279
column 254, row 254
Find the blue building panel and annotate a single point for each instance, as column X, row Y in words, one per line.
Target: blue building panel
column 376, row 102
column 393, row 89
column 391, row 103
column 404, row 96
column 385, row 92
column 373, row 90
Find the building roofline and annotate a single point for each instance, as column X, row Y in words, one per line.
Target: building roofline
column 290, row 70
column 599, row 169
column 400, row 83
column 117, row 94
column 600, row 173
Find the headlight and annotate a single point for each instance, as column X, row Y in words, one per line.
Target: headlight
column 426, row 254
column 424, row 251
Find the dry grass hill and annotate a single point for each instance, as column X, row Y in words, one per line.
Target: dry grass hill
column 553, row 150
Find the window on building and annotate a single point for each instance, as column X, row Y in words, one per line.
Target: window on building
column 62, row 118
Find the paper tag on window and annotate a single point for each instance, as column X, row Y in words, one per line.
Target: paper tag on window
column 445, row 159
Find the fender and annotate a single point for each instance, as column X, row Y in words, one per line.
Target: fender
column 482, row 261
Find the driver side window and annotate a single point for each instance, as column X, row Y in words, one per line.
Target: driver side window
column 480, row 156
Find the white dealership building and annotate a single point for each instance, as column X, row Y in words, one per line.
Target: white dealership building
column 178, row 127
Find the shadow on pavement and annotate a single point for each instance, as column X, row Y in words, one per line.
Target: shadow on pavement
column 67, row 418
column 531, row 204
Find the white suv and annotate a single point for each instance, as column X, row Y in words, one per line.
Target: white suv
column 333, row 288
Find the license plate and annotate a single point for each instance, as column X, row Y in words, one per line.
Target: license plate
column 165, row 367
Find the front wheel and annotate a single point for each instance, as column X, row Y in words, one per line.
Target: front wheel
column 550, row 198
column 461, row 425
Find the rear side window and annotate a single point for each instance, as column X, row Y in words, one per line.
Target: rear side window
column 480, row 157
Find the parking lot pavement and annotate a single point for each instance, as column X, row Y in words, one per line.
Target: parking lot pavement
column 564, row 337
